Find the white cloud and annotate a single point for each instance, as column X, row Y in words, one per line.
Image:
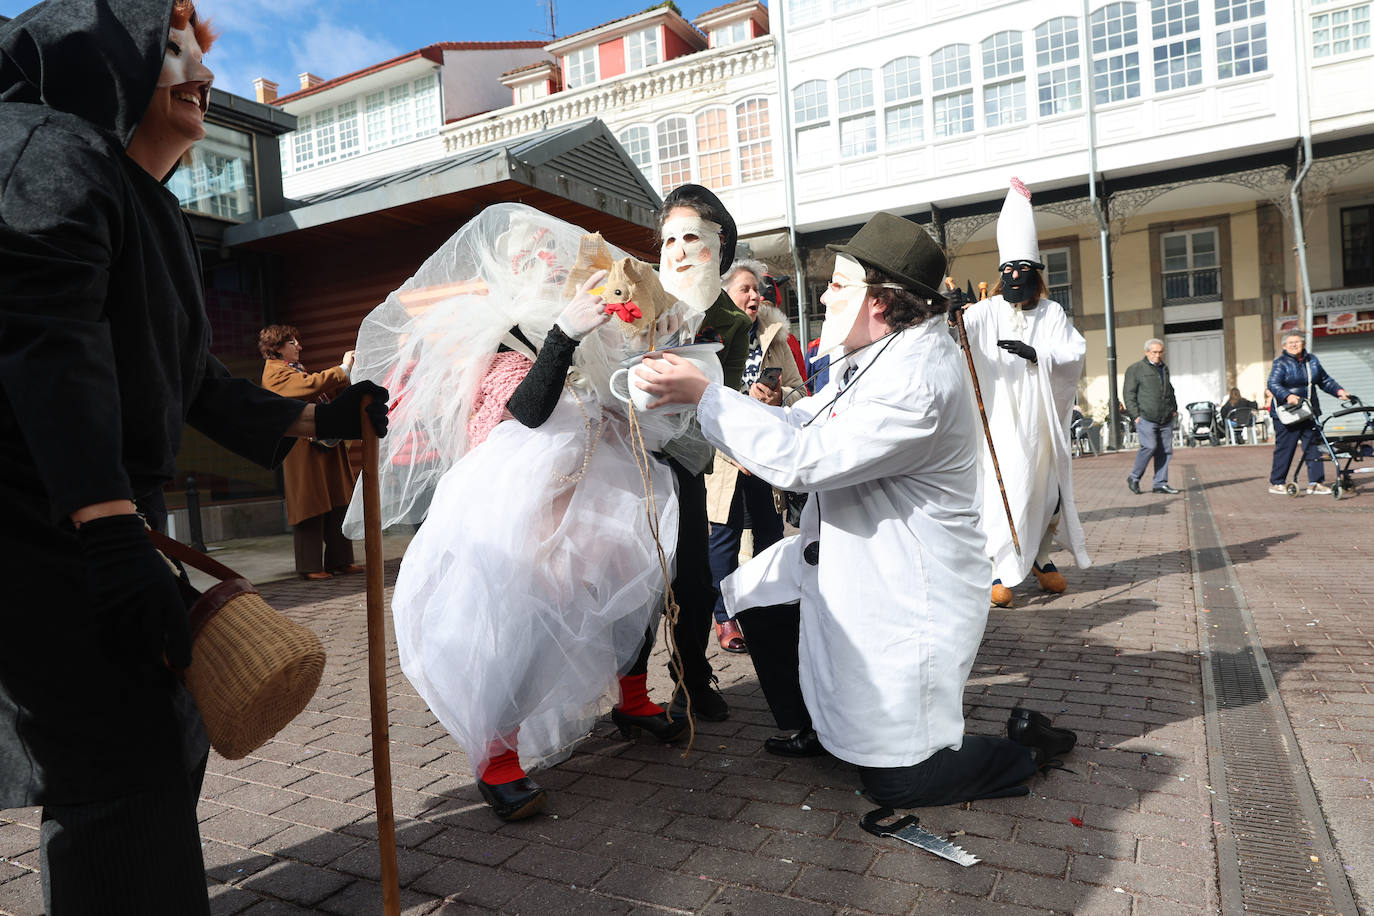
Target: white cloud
column 331, row 50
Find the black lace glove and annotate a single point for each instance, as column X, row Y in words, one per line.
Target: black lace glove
column 341, row 417
column 138, row 606
column 1018, row 348
column 956, row 300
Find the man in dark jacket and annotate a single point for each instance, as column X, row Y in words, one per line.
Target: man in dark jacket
column 103, row 359
column 698, row 238
column 1152, row 406
column 1295, row 376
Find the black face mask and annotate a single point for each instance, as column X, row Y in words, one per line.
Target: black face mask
column 1024, row 286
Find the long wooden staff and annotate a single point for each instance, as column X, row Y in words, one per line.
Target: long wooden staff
column 376, row 670
column 982, row 412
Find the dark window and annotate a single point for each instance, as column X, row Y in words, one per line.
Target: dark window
column 1357, row 245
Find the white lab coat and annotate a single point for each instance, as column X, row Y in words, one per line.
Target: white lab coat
column 1029, row 407
column 892, row 615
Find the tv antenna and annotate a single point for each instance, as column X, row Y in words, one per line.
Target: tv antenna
column 553, row 20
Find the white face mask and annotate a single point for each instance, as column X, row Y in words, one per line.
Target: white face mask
column 843, row 300
column 689, row 261
column 185, row 67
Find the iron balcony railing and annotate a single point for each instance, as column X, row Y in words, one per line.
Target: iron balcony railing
column 1184, row 286
column 1064, row 296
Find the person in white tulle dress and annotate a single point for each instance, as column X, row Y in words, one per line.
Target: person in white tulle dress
column 526, row 601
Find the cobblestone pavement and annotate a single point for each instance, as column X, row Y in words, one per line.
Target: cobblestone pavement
column 638, row 828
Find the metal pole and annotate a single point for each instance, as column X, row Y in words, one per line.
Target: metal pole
column 1104, row 243
column 1295, row 192
column 784, row 102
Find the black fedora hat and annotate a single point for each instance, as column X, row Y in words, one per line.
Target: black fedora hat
column 902, row 250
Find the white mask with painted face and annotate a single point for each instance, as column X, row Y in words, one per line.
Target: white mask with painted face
column 689, row 261
column 186, row 66
column 843, row 298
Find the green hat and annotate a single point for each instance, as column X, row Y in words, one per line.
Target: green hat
column 902, row 250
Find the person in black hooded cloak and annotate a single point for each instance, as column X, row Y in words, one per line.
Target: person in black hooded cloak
column 104, row 357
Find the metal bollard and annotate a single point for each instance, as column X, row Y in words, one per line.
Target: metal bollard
column 193, row 513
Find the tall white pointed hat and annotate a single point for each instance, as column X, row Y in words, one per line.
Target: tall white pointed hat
column 1016, row 239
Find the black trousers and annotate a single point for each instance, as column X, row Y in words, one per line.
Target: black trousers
column 773, row 634
column 323, row 535
column 133, row 856
column 696, row 596
column 983, row 767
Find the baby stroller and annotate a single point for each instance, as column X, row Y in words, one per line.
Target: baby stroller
column 1202, row 423
column 1347, row 434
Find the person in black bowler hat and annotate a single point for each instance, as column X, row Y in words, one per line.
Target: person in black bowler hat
column 889, row 574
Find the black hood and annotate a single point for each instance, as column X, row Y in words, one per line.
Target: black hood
column 96, row 59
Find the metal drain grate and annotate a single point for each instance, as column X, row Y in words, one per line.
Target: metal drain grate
column 1274, row 853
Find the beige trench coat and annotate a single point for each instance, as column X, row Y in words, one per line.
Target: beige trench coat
column 317, row 479
column 720, row 482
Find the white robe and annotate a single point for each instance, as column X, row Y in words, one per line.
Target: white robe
column 1029, row 407
column 892, row 615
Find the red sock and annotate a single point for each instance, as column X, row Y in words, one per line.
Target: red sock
column 502, row 768
column 634, row 696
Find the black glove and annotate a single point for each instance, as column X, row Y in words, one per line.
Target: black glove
column 1018, row 348
column 956, row 301
column 138, row 605
column 341, row 417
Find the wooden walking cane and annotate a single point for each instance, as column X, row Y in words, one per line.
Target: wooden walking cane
column 376, row 670
column 982, row 412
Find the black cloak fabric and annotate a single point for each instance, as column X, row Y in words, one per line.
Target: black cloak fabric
column 104, row 356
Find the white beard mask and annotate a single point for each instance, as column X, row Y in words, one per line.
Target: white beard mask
column 842, row 306
column 185, row 67
column 689, row 268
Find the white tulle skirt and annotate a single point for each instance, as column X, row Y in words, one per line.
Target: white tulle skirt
column 533, row 581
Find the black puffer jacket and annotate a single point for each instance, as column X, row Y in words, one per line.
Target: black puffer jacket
column 1149, row 393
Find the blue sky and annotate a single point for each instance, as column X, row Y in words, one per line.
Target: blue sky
column 280, row 38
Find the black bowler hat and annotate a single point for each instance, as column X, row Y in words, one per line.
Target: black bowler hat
column 902, row 250
column 688, row 195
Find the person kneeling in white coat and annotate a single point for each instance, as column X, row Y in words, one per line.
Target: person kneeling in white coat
column 890, row 568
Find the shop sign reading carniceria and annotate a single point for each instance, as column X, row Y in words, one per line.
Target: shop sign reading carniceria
column 1337, row 311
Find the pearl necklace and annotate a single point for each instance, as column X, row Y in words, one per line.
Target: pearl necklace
column 592, row 437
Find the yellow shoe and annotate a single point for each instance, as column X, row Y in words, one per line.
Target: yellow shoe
column 1001, row 595
column 1051, row 580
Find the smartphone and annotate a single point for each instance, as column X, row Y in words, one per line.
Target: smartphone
column 771, row 377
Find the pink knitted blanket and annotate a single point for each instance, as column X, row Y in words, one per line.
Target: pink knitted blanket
column 505, row 374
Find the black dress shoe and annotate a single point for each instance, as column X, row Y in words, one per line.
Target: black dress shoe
column 1033, row 730
column 513, row 801
column 1133, row 485
column 803, row 744
column 1165, row 488
column 707, row 704
column 658, row 726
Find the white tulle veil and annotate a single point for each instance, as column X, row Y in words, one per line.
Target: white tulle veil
column 430, row 343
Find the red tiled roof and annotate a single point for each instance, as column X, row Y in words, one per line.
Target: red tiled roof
column 672, row 8
column 432, row 52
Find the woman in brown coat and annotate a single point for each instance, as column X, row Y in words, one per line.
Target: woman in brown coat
column 319, row 481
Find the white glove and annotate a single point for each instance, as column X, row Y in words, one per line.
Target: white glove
column 586, row 312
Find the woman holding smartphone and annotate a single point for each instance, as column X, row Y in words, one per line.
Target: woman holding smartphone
column 735, row 499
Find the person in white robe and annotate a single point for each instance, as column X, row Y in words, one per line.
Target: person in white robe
column 889, row 570
column 1029, row 360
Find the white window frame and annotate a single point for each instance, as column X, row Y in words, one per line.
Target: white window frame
column 638, row 142
column 903, row 104
column 1004, row 67
column 1056, row 277
column 375, row 120
column 1059, row 79
column 1339, row 31
column 810, row 101
column 941, row 108
column 748, row 151
column 350, row 129
column 857, row 115
column 1114, row 32
column 642, row 49
column 756, row 149
column 722, row 153
column 424, row 94
column 582, row 67
column 726, row 35
column 666, row 181
column 1191, row 260
column 800, row 12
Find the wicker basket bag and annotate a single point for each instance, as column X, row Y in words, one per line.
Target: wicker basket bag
column 253, row 668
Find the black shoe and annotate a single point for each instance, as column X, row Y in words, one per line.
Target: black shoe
column 513, row 801
column 1133, row 485
column 1033, row 730
column 707, row 703
column 657, row 726
column 1165, row 488
column 803, row 744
